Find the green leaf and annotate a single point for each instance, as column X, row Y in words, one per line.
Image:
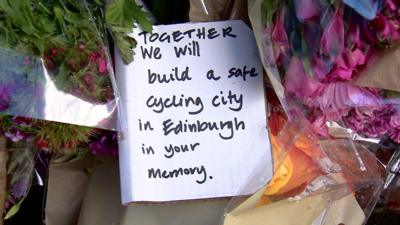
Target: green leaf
column 268, row 10
column 14, row 210
column 124, row 13
column 125, row 44
column 121, row 17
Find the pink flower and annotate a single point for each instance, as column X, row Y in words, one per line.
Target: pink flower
column 319, row 125
column 279, row 34
column 347, row 64
column 298, row 83
column 338, row 98
column 332, row 40
column 392, row 4
column 82, row 46
column 306, row 9
column 103, row 66
column 387, row 28
column 89, row 81
column 279, row 39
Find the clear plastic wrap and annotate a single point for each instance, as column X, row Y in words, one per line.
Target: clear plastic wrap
column 316, row 181
column 315, row 52
column 57, row 89
column 56, row 66
column 326, row 128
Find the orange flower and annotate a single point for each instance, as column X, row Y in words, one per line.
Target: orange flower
column 296, row 171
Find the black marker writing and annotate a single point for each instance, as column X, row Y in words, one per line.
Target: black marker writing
column 175, row 75
column 226, row 128
column 212, row 76
column 191, row 49
column 145, row 126
column 147, row 150
column 243, row 73
column 159, row 104
column 167, row 174
column 176, row 36
column 231, row 99
column 172, row 149
column 150, row 53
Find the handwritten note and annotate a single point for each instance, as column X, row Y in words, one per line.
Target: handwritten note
column 195, row 113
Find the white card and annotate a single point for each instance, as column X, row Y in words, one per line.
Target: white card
column 196, row 122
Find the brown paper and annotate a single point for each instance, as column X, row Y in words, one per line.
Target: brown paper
column 3, row 176
column 66, row 189
column 208, row 10
column 102, row 205
column 239, row 11
column 214, row 10
column 383, row 72
column 311, row 210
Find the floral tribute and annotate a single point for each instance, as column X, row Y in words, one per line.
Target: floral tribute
column 321, row 47
column 68, row 41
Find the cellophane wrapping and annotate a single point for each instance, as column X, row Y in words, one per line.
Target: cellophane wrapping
column 57, row 90
column 331, row 119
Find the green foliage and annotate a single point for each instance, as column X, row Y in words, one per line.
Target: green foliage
column 61, row 136
column 121, row 16
column 13, row 210
column 20, row 170
column 268, row 10
column 32, row 25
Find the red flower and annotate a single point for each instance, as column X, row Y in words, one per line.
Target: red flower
column 93, row 56
column 42, row 144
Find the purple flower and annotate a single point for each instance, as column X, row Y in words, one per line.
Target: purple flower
column 395, row 135
column 20, row 188
column 4, row 98
column 395, row 120
column 14, row 134
column 394, row 123
column 370, row 121
column 106, row 145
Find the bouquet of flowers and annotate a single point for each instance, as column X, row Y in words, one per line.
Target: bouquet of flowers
column 327, row 131
column 57, row 86
column 319, row 49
